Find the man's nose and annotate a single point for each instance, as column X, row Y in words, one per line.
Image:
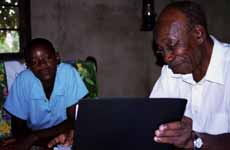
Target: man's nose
column 169, row 57
column 42, row 62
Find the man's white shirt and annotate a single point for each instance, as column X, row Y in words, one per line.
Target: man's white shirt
column 209, row 99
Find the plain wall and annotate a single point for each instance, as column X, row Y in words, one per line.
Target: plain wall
column 109, row 30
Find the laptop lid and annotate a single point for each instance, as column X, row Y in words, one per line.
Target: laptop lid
column 124, row 123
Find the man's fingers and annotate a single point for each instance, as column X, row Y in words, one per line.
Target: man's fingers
column 61, row 138
column 164, row 140
column 58, row 140
column 168, row 133
column 177, row 133
column 177, row 124
column 51, row 143
column 171, row 126
column 169, row 140
column 68, row 143
column 71, row 133
column 69, row 140
column 186, row 119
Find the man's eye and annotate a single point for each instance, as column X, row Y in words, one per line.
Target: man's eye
column 160, row 51
column 33, row 62
column 170, row 48
column 48, row 57
column 172, row 45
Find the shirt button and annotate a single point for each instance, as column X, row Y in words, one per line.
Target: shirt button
column 195, row 109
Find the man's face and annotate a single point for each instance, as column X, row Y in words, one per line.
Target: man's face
column 177, row 43
column 43, row 63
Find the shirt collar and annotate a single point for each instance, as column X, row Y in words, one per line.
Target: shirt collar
column 185, row 77
column 59, row 85
column 38, row 92
column 215, row 72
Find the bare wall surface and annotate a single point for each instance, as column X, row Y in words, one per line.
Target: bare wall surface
column 109, row 30
column 218, row 18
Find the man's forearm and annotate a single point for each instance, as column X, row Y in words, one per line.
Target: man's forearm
column 216, row 142
column 49, row 133
column 211, row 142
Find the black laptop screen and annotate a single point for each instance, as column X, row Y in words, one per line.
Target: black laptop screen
column 124, row 123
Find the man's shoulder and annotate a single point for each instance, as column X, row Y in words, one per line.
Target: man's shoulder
column 25, row 79
column 66, row 69
column 225, row 47
column 25, row 74
column 65, row 66
column 226, row 52
column 221, row 52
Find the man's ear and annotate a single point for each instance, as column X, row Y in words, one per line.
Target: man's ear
column 58, row 57
column 199, row 33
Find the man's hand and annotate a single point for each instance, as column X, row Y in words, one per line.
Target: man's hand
column 65, row 139
column 178, row 133
column 18, row 144
column 24, row 144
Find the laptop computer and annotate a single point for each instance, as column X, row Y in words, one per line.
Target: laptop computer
column 124, row 123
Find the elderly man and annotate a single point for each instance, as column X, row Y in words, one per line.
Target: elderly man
column 198, row 68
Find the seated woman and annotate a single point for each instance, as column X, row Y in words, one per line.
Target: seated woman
column 42, row 96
